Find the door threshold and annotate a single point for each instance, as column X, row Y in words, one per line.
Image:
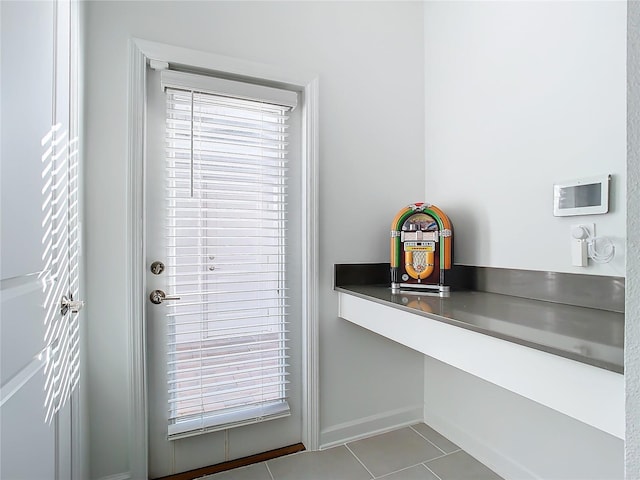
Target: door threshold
column 240, row 462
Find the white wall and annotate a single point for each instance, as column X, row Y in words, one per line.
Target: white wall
column 369, row 57
column 518, row 438
column 632, row 324
column 520, row 95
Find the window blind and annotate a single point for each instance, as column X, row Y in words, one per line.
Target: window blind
column 226, row 243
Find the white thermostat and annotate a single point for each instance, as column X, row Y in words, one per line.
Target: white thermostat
column 586, row 196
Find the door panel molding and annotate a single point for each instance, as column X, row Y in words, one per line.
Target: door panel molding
column 140, row 52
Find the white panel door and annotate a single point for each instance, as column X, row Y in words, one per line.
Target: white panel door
column 39, row 240
column 169, row 456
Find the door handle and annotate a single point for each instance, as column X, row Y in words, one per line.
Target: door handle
column 158, row 296
column 69, row 304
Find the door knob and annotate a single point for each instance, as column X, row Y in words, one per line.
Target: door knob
column 158, row 296
column 69, row 304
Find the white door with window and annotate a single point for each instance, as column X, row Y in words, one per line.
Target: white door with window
column 39, row 245
column 223, row 270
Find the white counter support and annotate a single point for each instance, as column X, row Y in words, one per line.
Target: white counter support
column 589, row 394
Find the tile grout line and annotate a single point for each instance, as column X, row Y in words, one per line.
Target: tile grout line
column 423, row 463
column 444, row 454
column 356, row 457
column 434, row 473
column 439, row 457
column 269, row 470
column 411, row 427
column 401, row 470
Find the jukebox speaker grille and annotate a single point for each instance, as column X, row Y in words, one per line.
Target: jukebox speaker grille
column 420, row 261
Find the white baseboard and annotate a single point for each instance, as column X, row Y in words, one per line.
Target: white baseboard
column 369, row 426
column 118, row 476
column 504, row 466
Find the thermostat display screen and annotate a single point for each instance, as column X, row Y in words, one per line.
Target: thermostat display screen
column 587, row 196
column 581, row 196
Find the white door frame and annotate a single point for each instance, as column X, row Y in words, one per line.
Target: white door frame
column 141, row 52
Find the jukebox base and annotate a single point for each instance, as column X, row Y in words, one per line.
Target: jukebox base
column 443, row 290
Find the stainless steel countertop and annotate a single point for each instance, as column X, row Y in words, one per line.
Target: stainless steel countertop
column 587, row 335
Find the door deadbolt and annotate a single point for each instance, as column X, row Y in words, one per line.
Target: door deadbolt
column 157, row 267
column 158, row 296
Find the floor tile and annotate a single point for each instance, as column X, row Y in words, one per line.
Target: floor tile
column 434, row 437
column 252, row 472
column 419, row 472
column 461, row 466
column 333, row 464
column 393, row 451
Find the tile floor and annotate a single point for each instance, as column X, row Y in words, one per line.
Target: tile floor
column 412, row 453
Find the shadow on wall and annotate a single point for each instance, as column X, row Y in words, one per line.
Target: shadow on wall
column 471, row 239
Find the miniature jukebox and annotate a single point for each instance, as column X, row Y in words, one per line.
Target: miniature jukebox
column 421, row 248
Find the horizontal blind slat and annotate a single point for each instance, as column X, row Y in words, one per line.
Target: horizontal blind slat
column 184, row 152
column 212, row 395
column 181, row 193
column 179, row 123
column 257, row 376
column 179, row 364
column 236, row 315
column 214, row 139
column 204, row 369
column 229, row 310
column 203, row 163
column 200, row 381
column 219, row 282
column 255, row 407
column 207, row 174
column 227, row 263
column 237, row 337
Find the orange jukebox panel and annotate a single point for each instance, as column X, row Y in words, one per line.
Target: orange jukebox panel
column 421, row 248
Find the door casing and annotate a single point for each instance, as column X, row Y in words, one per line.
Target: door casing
column 141, row 52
